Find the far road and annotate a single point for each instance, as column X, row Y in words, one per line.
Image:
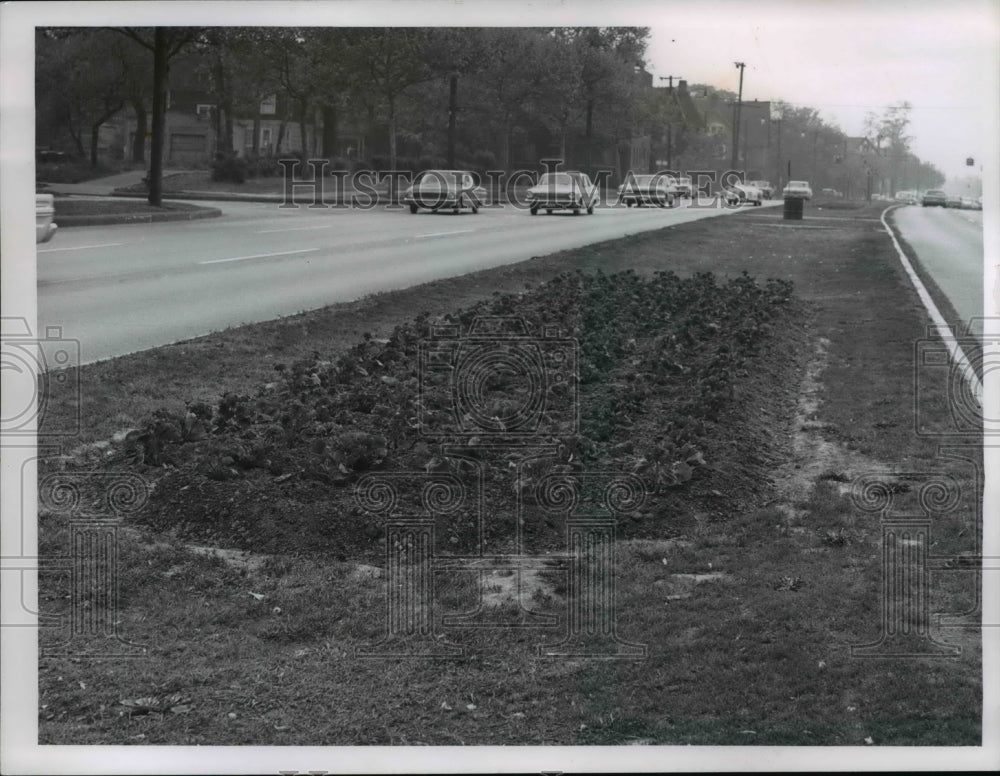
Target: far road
column 125, row 288
column 949, row 246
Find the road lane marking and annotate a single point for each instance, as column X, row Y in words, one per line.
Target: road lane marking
column 78, row 248
column 442, row 234
column 941, row 327
column 259, row 256
column 294, row 229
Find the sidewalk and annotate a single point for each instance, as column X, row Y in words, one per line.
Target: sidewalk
column 102, row 187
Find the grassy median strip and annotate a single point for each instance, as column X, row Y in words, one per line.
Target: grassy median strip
column 748, row 575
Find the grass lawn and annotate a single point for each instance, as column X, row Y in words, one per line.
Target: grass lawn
column 747, row 584
column 71, row 206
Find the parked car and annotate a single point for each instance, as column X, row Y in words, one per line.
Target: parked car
column 954, row 202
column 934, row 198
column 798, row 189
column 743, row 193
column 906, row 197
column 444, row 190
column 45, row 210
column 766, row 189
column 563, row 191
column 971, row 203
column 647, row 189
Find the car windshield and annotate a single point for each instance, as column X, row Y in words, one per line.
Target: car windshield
column 798, row 184
column 646, row 180
column 935, row 193
column 556, row 179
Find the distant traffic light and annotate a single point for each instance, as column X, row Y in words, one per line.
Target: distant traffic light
column 969, row 161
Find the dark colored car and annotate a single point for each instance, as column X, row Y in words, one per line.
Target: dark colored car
column 647, row 189
column 445, row 190
column 934, row 197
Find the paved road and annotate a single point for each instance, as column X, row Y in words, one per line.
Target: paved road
column 120, row 289
column 949, row 246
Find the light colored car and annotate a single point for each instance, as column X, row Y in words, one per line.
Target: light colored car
column 45, row 211
column 971, row 203
column 743, row 193
column 640, row 190
column 800, row 189
column 444, row 190
column 766, row 189
column 563, row 191
column 685, row 188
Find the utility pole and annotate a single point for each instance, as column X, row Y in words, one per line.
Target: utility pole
column 736, row 118
column 777, row 168
column 670, row 127
column 452, row 117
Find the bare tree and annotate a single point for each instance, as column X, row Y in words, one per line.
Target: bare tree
column 165, row 43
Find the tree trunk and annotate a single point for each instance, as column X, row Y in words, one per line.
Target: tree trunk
column 141, row 126
column 452, row 117
column 392, row 133
column 306, row 153
column 590, row 131
column 329, row 130
column 95, row 131
column 161, row 68
column 505, row 147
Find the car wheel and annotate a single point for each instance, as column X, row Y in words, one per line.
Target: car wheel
column 534, row 210
column 548, row 211
column 590, row 210
column 413, row 208
column 475, row 209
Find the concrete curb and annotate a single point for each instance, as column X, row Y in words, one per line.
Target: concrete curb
column 137, row 218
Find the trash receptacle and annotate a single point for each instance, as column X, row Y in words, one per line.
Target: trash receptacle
column 793, row 208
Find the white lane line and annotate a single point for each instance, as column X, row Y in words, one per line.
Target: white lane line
column 259, row 256
column 294, row 229
column 78, row 248
column 442, row 234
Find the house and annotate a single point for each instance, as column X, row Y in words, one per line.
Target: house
column 682, row 117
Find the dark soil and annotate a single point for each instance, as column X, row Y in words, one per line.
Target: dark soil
column 669, row 380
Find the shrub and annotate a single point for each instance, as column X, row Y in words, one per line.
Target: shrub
column 431, row 163
column 484, row 160
column 230, row 169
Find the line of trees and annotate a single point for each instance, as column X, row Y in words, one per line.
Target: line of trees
column 459, row 96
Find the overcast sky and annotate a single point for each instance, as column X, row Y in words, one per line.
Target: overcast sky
column 849, row 58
